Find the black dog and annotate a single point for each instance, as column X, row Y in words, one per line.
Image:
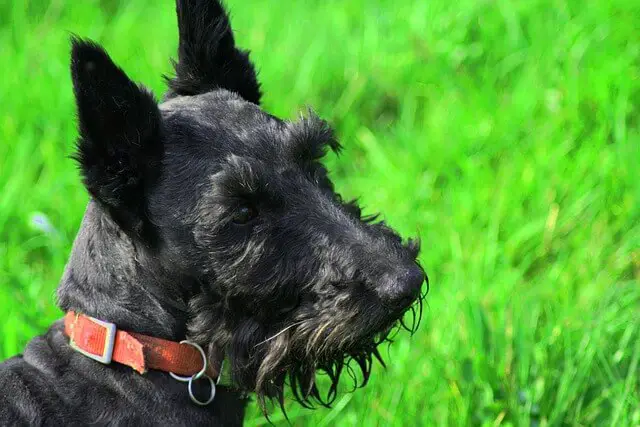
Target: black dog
column 213, row 220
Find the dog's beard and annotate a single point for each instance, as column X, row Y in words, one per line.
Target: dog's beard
column 268, row 360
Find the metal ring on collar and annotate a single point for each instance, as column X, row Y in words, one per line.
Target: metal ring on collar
column 211, row 396
column 197, row 375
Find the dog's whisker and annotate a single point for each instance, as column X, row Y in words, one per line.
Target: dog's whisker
column 279, row 333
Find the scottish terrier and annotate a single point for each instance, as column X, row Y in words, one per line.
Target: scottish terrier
column 214, row 247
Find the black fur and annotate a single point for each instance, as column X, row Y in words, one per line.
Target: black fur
column 212, row 220
column 207, row 55
column 120, row 145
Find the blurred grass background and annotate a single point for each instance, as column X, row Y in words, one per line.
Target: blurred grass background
column 505, row 133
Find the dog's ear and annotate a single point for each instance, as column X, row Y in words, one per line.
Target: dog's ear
column 120, row 147
column 207, row 55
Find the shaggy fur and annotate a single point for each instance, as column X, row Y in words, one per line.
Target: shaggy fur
column 213, row 220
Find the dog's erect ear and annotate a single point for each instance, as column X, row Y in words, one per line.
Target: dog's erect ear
column 207, row 54
column 120, row 147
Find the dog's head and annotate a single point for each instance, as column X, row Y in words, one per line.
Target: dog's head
column 291, row 279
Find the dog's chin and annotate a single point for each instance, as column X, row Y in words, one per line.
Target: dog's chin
column 314, row 379
column 301, row 348
column 296, row 358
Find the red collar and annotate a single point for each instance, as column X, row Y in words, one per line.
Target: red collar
column 102, row 341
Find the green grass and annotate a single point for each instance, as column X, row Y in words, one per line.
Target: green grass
column 505, row 133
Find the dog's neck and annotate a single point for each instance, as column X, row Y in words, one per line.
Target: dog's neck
column 111, row 277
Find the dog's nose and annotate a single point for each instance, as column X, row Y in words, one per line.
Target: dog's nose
column 399, row 289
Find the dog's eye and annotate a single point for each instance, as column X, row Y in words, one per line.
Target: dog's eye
column 244, row 214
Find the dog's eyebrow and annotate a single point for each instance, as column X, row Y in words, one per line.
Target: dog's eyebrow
column 245, row 177
column 310, row 137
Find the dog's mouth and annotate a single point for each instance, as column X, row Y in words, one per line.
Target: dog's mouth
column 381, row 315
column 406, row 315
column 333, row 351
column 366, row 322
column 294, row 352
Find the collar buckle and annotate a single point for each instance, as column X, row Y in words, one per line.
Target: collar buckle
column 96, row 344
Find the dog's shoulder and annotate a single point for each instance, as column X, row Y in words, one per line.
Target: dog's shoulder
column 27, row 380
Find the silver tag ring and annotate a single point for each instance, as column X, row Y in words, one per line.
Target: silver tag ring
column 211, row 395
